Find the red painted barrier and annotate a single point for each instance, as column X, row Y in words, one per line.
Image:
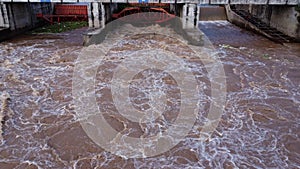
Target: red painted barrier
column 64, row 12
column 71, row 10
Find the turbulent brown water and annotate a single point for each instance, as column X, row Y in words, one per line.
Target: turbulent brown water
column 259, row 127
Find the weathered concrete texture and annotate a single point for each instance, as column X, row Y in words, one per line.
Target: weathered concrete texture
column 100, row 13
column 22, row 17
column 241, row 22
column 219, row 1
column 288, row 2
column 177, row 9
column 277, row 2
column 204, row 2
column 293, row 2
column 190, row 10
column 239, row 1
column 234, row 18
column 96, row 11
column 263, row 12
column 285, row 19
column 19, row 16
column 208, row 13
column 96, row 15
column 258, row 2
column 4, row 23
column 109, row 10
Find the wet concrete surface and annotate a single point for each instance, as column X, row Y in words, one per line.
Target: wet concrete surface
column 259, row 127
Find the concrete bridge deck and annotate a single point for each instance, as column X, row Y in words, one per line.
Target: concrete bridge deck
column 258, row 2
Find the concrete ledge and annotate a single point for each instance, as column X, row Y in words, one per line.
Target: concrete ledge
column 88, row 36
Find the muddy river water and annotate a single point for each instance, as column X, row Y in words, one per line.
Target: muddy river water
column 259, row 127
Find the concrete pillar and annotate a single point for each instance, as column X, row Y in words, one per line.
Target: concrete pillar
column 172, row 8
column 11, row 17
column 191, row 10
column 190, row 15
column 109, row 10
column 102, row 18
column 185, row 10
column 1, row 16
column 90, row 17
column 95, row 12
column 6, row 21
column 96, row 15
column 197, row 16
column 176, row 9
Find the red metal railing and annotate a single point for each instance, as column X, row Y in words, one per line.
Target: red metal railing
column 153, row 15
column 66, row 13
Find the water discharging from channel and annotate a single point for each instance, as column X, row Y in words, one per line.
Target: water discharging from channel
column 259, row 127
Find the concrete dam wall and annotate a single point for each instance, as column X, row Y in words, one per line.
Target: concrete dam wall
column 284, row 18
column 19, row 17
